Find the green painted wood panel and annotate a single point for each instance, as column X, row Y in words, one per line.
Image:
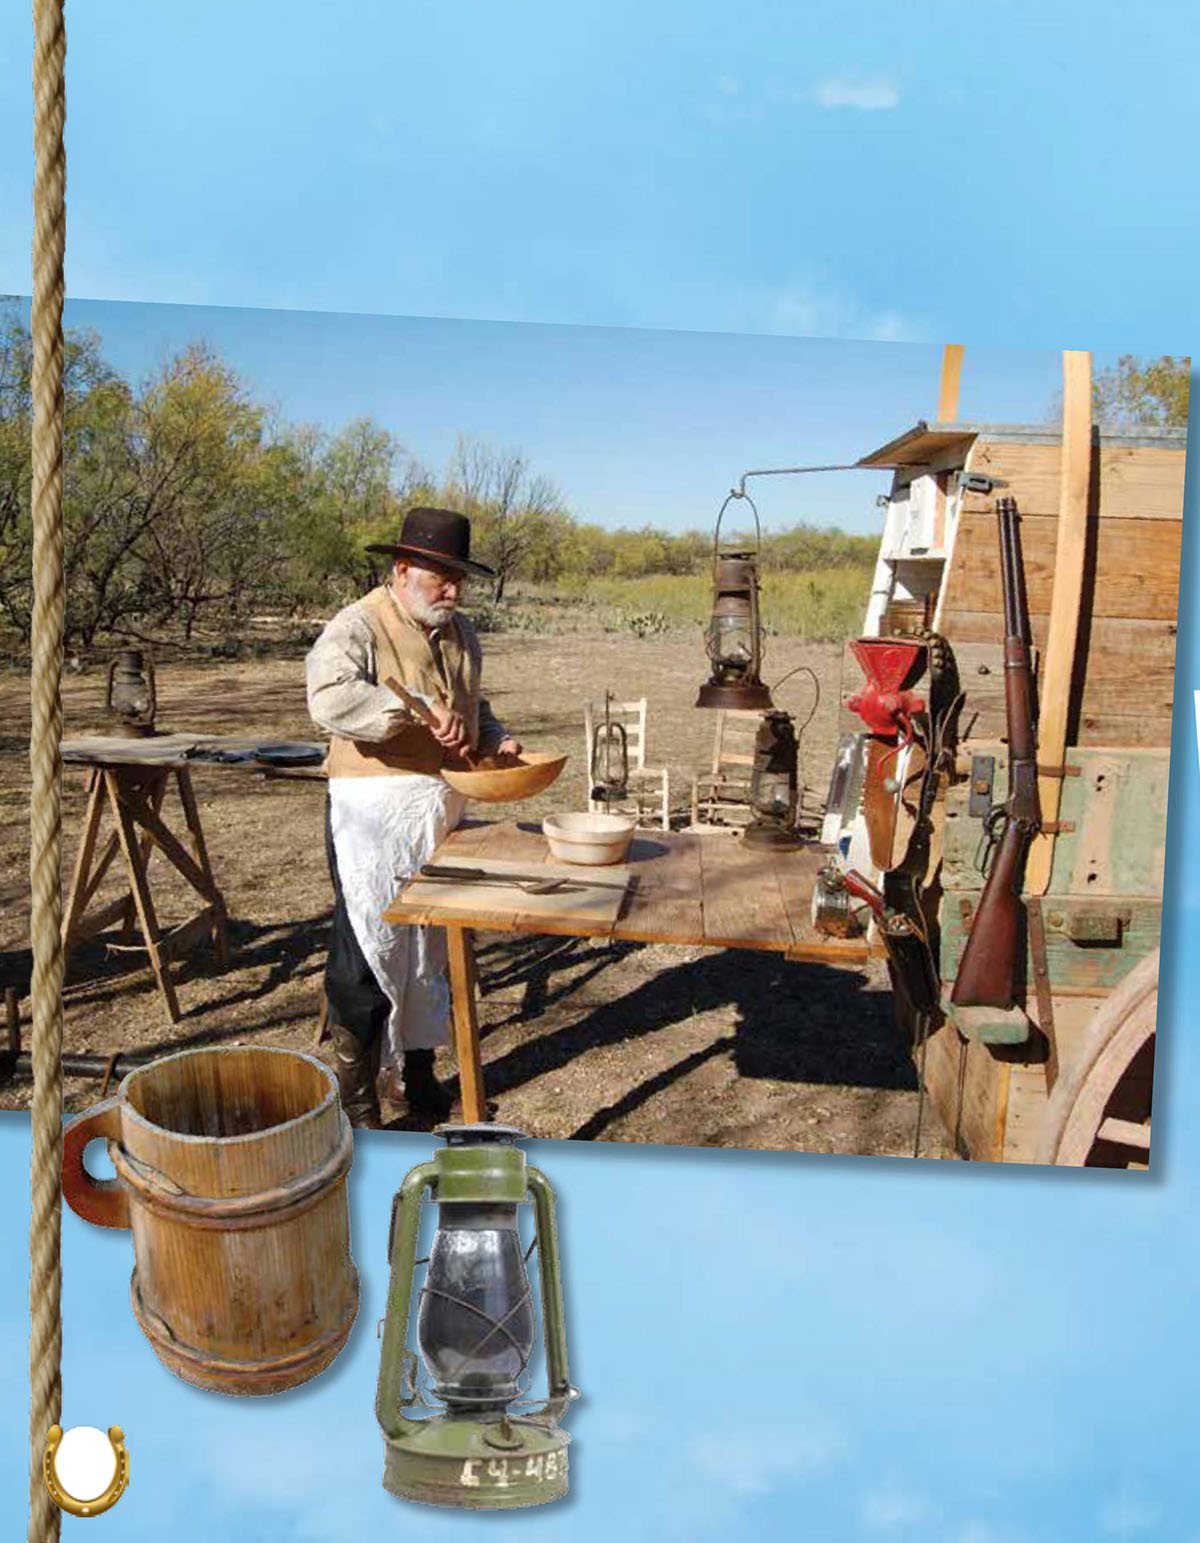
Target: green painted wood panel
column 1080, row 966
column 1118, row 805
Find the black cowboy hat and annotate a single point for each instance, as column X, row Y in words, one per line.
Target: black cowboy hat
column 440, row 535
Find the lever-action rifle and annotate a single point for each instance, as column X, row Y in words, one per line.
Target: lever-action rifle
column 987, row 971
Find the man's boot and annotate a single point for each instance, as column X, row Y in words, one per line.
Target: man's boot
column 354, row 1066
column 423, row 1093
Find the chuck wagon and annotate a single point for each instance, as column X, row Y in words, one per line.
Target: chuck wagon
column 1066, row 1074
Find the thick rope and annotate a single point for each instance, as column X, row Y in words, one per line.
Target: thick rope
column 45, row 803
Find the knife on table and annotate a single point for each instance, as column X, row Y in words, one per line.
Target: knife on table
column 442, row 871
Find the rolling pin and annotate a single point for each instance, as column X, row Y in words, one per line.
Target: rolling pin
column 419, row 710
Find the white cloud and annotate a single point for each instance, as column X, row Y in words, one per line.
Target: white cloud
column 1124, row 1514
column 866, row 93
column 982, row 1532
column 884, row 1510
column 832, row 313
column 754, row 1463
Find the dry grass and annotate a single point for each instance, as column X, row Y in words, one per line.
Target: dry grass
column 821, row 606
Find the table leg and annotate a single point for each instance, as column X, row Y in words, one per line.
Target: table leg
column 460, row 948
column 131, row 848
column 77, row 899
column 191, row 814
column 158, row 789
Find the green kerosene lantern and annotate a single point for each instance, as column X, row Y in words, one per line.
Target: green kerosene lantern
column 475, row 1333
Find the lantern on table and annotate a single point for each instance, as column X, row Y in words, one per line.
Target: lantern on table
column 610, row 758
column 475, row 1333
column 734, row 635
column 775, row 785
column 130, row 697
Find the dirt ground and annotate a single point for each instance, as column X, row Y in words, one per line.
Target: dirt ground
column 622, row 1042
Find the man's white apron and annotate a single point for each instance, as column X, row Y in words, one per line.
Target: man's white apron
column 384, row 828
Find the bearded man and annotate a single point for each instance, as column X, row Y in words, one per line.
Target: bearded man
column 385, row 987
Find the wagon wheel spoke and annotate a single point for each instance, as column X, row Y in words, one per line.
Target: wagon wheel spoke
column 1099, row 1112
column 1125, row 1133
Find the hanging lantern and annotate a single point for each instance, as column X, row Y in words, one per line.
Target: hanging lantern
column 475, row 1333
column 130, row 697
column 775, row 785
column 610, row 758
column 734, row 636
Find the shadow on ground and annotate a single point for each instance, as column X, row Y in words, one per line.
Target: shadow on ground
column 791, row 1023
column 101, row 968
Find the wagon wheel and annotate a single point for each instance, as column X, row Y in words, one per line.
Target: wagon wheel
column 1099, row 1111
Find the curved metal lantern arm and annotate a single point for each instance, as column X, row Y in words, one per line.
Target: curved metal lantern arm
column 561, row 1393
column 397, row 1381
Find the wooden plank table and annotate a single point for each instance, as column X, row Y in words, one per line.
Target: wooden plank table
column 686, row 889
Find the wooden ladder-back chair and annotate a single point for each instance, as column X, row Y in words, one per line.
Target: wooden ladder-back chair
column 721, row 797
column 648, row 791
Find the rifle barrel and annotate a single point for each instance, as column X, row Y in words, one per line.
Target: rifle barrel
column 1022, row 599
column 1010, row 565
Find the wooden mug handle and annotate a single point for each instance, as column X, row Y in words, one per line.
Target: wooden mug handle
column 102, row 1201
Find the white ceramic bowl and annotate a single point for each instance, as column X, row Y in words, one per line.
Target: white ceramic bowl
column 592, row 839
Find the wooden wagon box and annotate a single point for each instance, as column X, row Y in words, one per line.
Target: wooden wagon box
column 1101, row 909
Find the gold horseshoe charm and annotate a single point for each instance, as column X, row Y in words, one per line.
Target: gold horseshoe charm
column 102, row 1502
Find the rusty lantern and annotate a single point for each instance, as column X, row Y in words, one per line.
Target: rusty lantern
column 734, row 636
column 130, row 697
column 610, row 758
column 775, row 785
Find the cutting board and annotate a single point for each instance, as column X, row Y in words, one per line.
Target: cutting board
column 599, row 902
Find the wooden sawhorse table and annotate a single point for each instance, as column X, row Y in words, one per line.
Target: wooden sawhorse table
column 688, row 889
column 133, row 794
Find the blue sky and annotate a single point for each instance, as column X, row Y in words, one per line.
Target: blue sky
column 1011, row 173
column 769, row 1345
column 635, row 426
column 839, row 1349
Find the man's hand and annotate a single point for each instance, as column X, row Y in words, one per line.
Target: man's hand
column 449, row 729
column 509, row 746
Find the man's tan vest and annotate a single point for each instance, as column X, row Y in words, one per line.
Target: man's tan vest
column 403, row 651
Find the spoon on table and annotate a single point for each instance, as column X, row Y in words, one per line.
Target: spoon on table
column 526, row 882
column 531, row 883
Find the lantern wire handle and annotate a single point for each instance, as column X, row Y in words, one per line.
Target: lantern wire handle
column 816, row 690
column 734, row 493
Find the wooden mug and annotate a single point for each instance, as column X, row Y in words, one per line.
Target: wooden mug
column 231, row 1167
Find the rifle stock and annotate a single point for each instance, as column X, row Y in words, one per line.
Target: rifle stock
column 987, row 971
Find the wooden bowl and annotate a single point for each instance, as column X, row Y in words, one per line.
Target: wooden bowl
column 532, row 772
column 594, row 840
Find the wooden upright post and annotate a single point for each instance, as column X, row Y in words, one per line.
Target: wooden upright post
column 952, row 359
column 1065, row 600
